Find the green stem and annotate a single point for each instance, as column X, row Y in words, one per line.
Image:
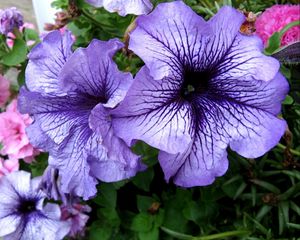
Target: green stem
column 90, row 17
column 293, row 151
column 209, row 237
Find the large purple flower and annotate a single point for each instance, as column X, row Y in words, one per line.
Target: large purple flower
column 10, row 18
column 22, row 214
column 205, row 86
column 70, row 96
column 124, row 7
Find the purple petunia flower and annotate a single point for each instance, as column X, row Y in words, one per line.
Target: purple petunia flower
column 205, row 86
column 22, row 214
column 124, row 7
column 70, row 96
column 10, row 18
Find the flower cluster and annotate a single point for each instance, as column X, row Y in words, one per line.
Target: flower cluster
column 204, row 86
column 275, row 19
column 9, row 19
column 13, row 136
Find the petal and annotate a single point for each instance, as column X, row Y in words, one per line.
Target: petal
column 202, row 162
column 225, row 25
column 57, row 117
column 244, row 60
column 95, row 3
column 46, row 61
column 118, row 162
column 39, row 226
column 150, row 113
column 168, row 38
column 92, row 71
column 8, row 224
column 20, row 183
column 124, row 7
column 71, row 161
column 263, row 135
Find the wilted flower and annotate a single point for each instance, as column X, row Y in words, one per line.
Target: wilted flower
column 10, row 18
column 70, row 97
column 13, row 136
column 124, row 7
column 205, row 86
column 4, row 91
column 22, row 214
column 8, row 166
column 76, row 215
column 275, row 19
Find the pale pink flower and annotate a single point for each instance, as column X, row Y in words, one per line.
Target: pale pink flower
column 276, row 18
column 4, row 91
column 13, row 136
column 8, row 166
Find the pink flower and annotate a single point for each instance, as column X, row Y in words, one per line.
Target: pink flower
column 4, row 91
column 13, row 136
column 8, row 166
column 11, row 37
column 76, row 215
column 276, row 18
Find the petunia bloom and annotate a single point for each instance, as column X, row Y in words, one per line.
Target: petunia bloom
column 70, row 96
column 13, row 136
column 124, row 7
column 4, row 91
column 22, row 214
column 10, row 18
column 204, row 86
column 275, row 19
column 8, row 166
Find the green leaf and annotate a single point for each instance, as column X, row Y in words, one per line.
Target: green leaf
column 262, row 212
column 144, row 202
column 268, row 186
column 273, row 43
column 153, row 234
column 293, row 225
column 143, row 179
column 142, row 222
column 31, row 34
column 288, row 100
column 17, row 55
column 100, row 230
column 295, row 207
column 107, row 196
column 110, row 215
column 192, row 211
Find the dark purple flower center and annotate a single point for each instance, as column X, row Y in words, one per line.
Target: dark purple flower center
column 27, row 206
column 195, row 82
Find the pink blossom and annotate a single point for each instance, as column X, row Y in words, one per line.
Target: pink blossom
column 76, row 215
column 4, row 90
column 8, row 166
column 11, row 37
column 276, row 18
column 13, row 136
